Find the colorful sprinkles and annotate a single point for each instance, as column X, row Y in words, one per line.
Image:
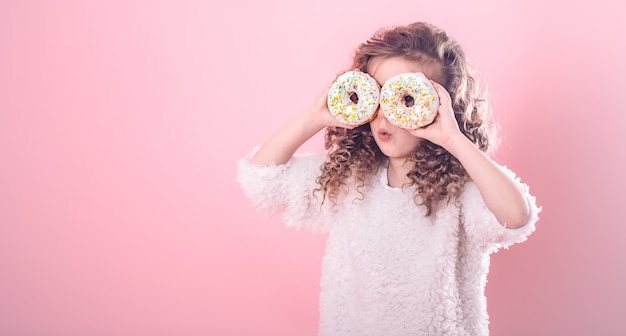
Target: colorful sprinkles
column 342, row 103
column 422, row 109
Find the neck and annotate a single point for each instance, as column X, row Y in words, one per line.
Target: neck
column 396, row 172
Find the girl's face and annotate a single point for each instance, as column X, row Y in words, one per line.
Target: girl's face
column 395, row 142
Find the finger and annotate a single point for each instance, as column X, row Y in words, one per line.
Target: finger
column 441, row 91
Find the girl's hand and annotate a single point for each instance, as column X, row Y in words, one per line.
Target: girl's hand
column 279, row 148
column 319, row 112
column 444, row 129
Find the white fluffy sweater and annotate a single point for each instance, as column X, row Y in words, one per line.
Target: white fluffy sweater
column 388, row 269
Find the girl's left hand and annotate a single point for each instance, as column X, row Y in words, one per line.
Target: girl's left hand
column 444, row 128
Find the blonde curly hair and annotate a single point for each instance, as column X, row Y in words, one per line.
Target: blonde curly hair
column 437, row 175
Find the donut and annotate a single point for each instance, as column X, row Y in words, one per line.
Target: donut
column 409, row 100
column 353, row 98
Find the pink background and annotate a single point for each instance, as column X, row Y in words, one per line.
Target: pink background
column 121, row 123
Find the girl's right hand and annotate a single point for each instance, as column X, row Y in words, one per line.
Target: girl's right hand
column 319, row 112
column 279, row 148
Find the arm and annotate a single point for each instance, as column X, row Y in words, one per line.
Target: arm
column 283, row 144
column 500, row 192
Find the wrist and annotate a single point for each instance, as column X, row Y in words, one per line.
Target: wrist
column 457, row 143
column 311, row 120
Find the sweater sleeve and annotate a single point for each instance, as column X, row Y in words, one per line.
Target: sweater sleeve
column 285, row 189
column 483, row 228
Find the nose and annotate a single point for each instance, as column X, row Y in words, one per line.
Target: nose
column 380, row 118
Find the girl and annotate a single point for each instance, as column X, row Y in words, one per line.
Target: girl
column 412, row 215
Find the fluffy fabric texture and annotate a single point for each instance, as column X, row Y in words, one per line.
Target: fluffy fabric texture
column 388, row 269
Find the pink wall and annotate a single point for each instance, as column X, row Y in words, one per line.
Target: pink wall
column 121, row 122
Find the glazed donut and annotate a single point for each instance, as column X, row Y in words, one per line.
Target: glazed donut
column 409, row 100
column 353, row 98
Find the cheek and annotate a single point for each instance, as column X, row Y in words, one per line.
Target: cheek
column 411, row 142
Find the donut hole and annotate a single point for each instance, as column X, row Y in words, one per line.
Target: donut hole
column 353, row 97
column 409, row 101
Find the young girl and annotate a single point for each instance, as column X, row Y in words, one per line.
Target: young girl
column 412, row 215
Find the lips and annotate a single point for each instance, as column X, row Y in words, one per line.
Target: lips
column 383, row 134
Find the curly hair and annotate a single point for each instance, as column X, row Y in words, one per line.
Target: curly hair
column 437, row 175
